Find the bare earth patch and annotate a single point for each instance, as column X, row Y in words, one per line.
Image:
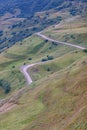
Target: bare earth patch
column 6, row 107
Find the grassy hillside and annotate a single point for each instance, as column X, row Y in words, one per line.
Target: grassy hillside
column 57, row 97
column 28, row 7
column 31, row 7
column 56, row 100
column 21, row 19
column 22, row 52
column 72, row 30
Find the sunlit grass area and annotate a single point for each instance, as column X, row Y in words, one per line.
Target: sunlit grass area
column 53, row 102
column 73, row 30
column 56, row 100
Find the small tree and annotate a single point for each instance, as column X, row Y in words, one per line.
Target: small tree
column 29, row 58
column 5, row 85
column 48, row 69
column 85, row 50
column 1, row 32
column 44, row 59
column 13, row 66
column 50, row 57
column 46, row 40
column 21, row 43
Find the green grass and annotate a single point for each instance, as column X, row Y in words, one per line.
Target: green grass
column 73, row 31
column 40, row 71
column 22, row 116
column 59, row 88
column 35, row 48
column 51, row 103
column 32, row 47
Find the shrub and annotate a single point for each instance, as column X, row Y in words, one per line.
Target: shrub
column 21, row 43
column 85, row 50
column 29, row 58
column 50, row 57
column 13, row 66
column 54, row 43
column 46, row 40
column 48, row 69
column 44, row 59
column 50, row 47
column 1, row 32
column 5, row 85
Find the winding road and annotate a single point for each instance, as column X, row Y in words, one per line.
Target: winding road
column 24, row 69
column 59, row 42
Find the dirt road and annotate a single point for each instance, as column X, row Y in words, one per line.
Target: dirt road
column 59, row 42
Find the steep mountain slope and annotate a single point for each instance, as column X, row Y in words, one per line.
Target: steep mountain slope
column 56, row 100
column 21, row 18
column 29, row 6
column 57, row 97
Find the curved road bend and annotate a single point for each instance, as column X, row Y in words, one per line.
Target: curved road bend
column 24, row 70
column 58, row 42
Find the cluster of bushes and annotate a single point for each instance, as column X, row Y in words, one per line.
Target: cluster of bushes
column 5, row 85
column 48, row 58
column 85, row 50
column 30, row 58
column 73, row 12
column 24, row 32
column 1, row 32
